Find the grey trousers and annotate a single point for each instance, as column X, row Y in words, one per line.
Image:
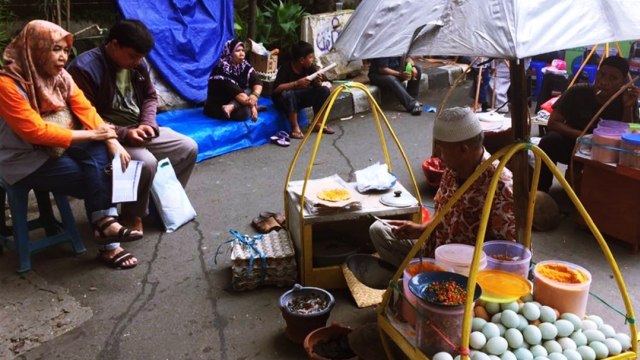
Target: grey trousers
column 388, row 246
column 181, row 151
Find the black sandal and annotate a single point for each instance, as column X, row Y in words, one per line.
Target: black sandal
column 124, row 234
column 117, row 261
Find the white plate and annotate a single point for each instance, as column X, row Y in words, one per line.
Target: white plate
column 491, row 116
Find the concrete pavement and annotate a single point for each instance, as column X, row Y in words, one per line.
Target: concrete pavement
column 174, row 304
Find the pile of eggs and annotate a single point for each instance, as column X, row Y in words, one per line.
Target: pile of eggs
column 530, row 331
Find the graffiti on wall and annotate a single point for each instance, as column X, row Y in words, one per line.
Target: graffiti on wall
column 326, row 37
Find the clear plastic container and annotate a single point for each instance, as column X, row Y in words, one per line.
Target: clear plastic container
column 606, row 136
column 415, row 267
column 631, row 157
column 508, row 256
column 458, row 257
column 437, row 327
column 563, row 296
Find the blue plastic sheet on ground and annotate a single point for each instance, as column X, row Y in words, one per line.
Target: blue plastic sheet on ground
column 216, row 137
column 189, row 36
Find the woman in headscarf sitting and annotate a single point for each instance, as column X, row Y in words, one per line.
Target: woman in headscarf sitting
column 234, row 86
column 52, row 139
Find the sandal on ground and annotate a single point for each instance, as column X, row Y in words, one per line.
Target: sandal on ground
column 417, row 109
column 325, row 130
column 280, row 218
column 297, row 135
column 265, row 225
column 281, row 138
column 118, row 260
column 124, row 234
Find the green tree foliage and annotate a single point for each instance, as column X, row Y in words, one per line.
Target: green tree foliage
column 277, row 23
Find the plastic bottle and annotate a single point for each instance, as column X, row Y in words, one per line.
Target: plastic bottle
column 408, row 68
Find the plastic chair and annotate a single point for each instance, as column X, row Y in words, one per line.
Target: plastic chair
column 17, row 235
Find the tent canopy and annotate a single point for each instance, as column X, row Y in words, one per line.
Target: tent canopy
column 495, row 28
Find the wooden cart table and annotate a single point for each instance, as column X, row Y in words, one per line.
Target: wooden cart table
column 343, row 225
column 611, row 194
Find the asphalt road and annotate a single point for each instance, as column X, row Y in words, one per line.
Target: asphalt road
column 174, row 305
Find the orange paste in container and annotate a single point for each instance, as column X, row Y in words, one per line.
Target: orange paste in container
column 562, row 273
column 562, row 285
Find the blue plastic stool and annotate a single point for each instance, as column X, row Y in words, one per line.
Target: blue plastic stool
column 537, row 67
column 17, row 235
column 590, row 69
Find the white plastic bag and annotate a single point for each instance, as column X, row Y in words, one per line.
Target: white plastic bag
column 170, row 198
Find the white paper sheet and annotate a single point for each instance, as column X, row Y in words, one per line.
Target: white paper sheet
column 125, row 184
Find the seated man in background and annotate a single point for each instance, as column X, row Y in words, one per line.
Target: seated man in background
column 389, row 74
column 115, row 78
column 294, row 91
column 576, row 107
column 458, row 136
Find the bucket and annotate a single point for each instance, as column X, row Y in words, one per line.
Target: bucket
column 439, row 327
column 508, row 256
column 608, row 137
column 305, row 309
column 458, row 257
column 328, row 343
column 415, row 267
column 562, row 293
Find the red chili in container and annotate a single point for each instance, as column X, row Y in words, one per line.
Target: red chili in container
column 448, row 292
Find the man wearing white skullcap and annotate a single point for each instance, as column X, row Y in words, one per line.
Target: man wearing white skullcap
column 458, row 136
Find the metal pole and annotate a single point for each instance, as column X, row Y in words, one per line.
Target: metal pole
column 59, row 12
column 521, row 132
column 252, row 19
column 68, row 15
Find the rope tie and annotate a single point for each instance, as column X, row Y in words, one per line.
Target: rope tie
column 249, row 242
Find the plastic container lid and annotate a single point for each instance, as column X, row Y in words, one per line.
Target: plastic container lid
column 502, row 286
column 398, row 198
column 631, row 138
column 457, row 254
column 609, row 131
column 613, row 124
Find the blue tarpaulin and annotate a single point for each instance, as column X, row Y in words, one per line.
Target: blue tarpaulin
column 217, row 137
column 189, row 36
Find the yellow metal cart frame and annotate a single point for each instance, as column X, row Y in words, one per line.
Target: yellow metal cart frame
column 389, row 331
column 306, row 268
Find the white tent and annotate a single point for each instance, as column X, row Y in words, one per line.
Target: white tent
column 496, row 28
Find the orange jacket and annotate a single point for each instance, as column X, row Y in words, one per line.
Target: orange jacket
column 28, row 124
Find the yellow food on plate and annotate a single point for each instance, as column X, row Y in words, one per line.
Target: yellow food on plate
column 335, row 194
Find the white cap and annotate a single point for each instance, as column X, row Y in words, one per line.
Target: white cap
column 456, row 124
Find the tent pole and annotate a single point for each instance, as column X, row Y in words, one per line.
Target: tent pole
column 521, row 132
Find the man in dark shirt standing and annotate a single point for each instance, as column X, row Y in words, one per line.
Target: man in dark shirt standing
column 293, row 90
column 389, row 74
column 577, row 106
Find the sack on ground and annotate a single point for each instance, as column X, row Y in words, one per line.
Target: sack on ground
column 267, row 259
column 170, row 198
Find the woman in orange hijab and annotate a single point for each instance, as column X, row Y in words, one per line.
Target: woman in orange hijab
column 52, row 139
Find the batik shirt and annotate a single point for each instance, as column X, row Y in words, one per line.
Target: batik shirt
column 461, row 223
